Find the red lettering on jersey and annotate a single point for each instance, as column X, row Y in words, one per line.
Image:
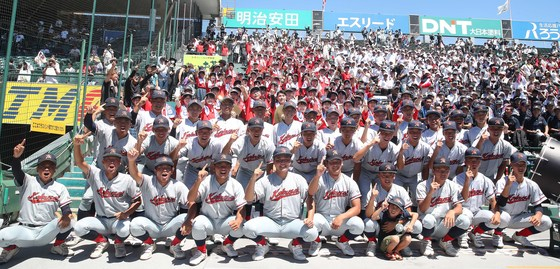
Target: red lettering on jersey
column 330, row 194
column 152, row 155
column 517, row 198
column 440, row 200
column 266, row 135
column 223, row 132
column 148, row 127
column 105, row 193
column 285, row 138
column 201, row 159
column 375, row 162
column 218, row 197
column 490, row 156
column 160, row 200
column 252, row 158
column 347, row 157
column 189, row 134
column 473, row 193
column 413, row 160
column 37, row 198
column 303, row 160
column 283, row 193
column 453, row 162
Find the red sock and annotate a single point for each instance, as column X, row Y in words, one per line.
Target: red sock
column 202, row 248
column 148, row 241
column 118, row 241
column 11, row 247
column 318, row 239
column 175, row 241
column 525, row 232
column 100, row 238
column 427, row 238
column 496, row 232
column 478, row 230
column 295, row 242
column 372, row 239
column 447, row 238
column 227, row 241
column 262, row 242
column 343, row 239
column 58, row 242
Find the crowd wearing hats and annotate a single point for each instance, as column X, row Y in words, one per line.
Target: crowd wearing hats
column 425, row 136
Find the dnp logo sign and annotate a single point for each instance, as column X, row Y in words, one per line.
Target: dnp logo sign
column 460, row 27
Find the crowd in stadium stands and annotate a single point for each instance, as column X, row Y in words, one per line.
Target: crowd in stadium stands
column 386, row 140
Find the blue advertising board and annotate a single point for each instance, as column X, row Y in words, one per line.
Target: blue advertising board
column 355, row 22
column 536, row 30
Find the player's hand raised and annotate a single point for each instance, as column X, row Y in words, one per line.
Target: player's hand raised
column 439, row 143
column 469, row 174
column 132, row 155
column 143, row 134
column 202, row 174
column 19, row 148
column 330, row 145
column 434, row 186
column 258, row 171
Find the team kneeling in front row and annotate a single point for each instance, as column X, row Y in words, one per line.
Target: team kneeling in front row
column 218, row 204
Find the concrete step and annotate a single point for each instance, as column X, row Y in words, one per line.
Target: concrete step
column 72, row 182
column 76, row 192
column 76, row 175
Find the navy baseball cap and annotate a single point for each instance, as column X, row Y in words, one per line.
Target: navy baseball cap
column 333, row 155
column 47, row 157
column 203, row 124
column 387, row 168
column 409, row 93
column 121, row 113
column 161, row 122
column 164, row 160
column 194, row 102
column 111, row 102
column 326, row 101
column 348, row 122
column 457, row 113
column 111, row 152
column 255, row 122
column 254, row 89
column 480, row 108
column 290, row 104
column 407, row 103
column 379, row 108
column 136, row 95
column 449, row 125
column 416, row 124
column 210, row 94
column 259, row 103
column 398, row 202
column 159, row 94
column 473, row 152
column 432, row 112
column 307, row 111
column 518, row 157
column 302, row 101
column 496, row 122
column 387, row 125
column 227, row 100
column 354, row 111
column 332, row 110
column 282, row 150
column 312, row 89
column 308, row 126
column 441, row 162
column 223, row 158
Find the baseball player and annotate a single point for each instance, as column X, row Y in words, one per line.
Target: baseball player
column 102, row 128
column 380, row 150
column 226, row 125
column 249, row 151
column 200, row 151
column 222, row 201
column 379, row 115
column 282, row 194
column 383, row 191
column 186, row 129
column 433, row 133
column 285, row 132
column 41, row 197
column 260, row 108
column 308, row 152
column 441, row 210
column 165, row 206
column 365, row 133
column 157, row 144
column 115, row 196
column 333, row 192
column 145, row 119
column 346, row 145
column 496, row 151
column 450, row 149
column 407, row 109
column 514, row 195
column 476, row 132
column 331, row 132
column 413, row 159
column 458, row 116
column 476, row 190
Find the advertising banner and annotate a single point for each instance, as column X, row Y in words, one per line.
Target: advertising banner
column 275, row 18
column 355, row 22
column 460, row 27
column 536, row 30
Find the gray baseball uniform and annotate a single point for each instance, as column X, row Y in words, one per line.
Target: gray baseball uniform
column 197, row 158
column 306, row 160
column 284, row 134
column 227, row 128
column 153, row 150
column 455, row 155
column 347, row 152
column 493, row 155
column 374, row 158
column 415, row 159
column 430, row 136
column 249, row 157
column 146, row 118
